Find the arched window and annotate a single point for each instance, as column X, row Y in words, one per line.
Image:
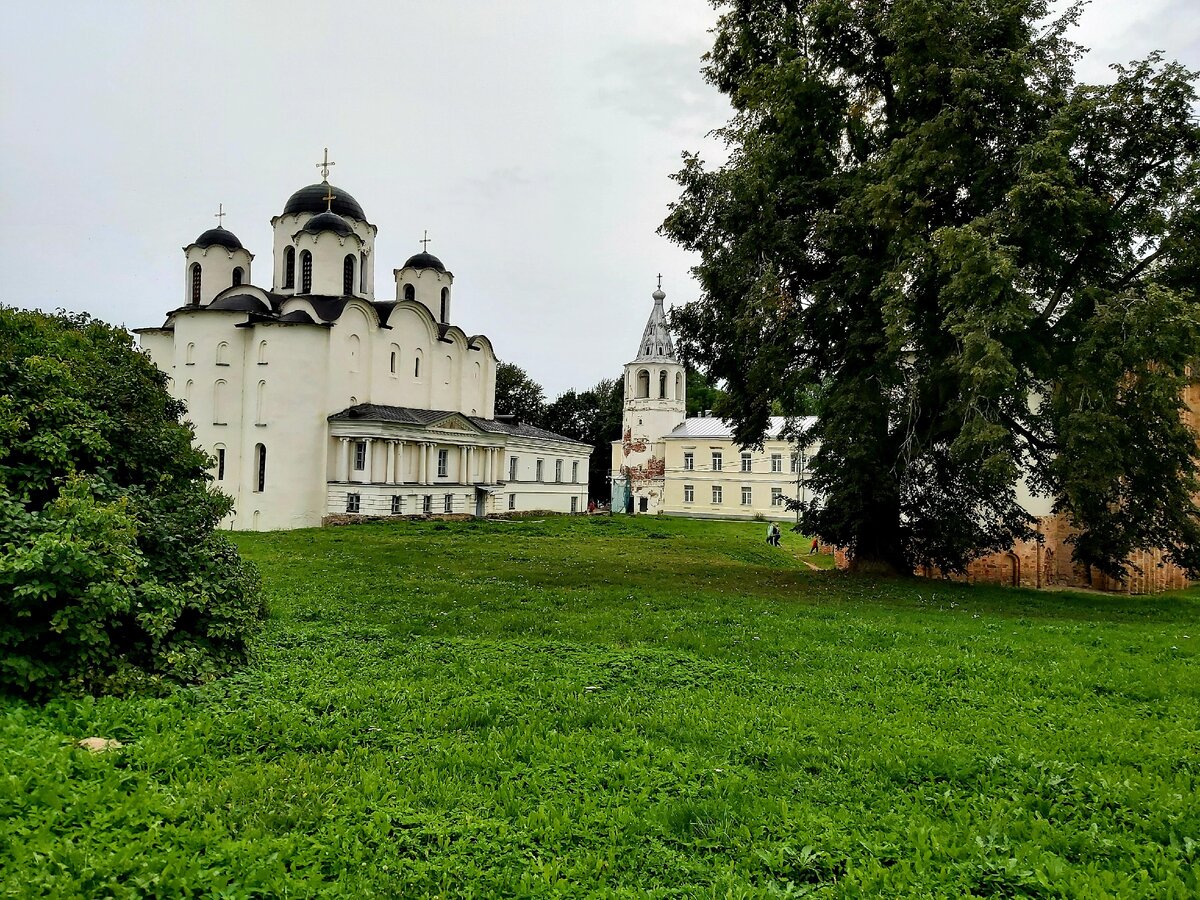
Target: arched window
column 348, row 275
column 445, row 304
column 260, row 467
column 449, row 368
column 305, row 272
column 662, row 384
column 220, row 402
column 238, row 274
column 289, row 267
column 678, row 385
column 190, row 357
column 261, row 404
column 417, row 365
column 410, row 292
column 262, row 353
column 394, row 365
column 643, row 384
column 362, row 273
column 187, row 394
column 354, row 346
column 195, row 284
column 222, row 354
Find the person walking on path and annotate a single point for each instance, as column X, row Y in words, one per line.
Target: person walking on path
column 774, row 535
column 813, row 548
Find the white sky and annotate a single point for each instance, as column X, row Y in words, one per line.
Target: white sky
column 533, row 138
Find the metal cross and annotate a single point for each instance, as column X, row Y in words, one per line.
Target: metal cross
column 329, row 197
column 424, row 242
column 324, row 165
column 660, row 281
column 220, row 214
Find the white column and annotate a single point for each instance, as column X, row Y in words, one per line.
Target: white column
column 369, row 462
column 343, row 458
column 464, row 465
column 400, row 462
column 430, row 463
column 422, row 458
column 390, row 469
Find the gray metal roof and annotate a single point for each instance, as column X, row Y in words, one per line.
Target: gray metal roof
column 656, row 345
column 713, row 427
column 408, row 415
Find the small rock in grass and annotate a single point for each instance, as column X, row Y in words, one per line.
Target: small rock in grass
column 99, row 744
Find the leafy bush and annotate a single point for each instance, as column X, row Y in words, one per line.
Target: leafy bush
column 112, row 574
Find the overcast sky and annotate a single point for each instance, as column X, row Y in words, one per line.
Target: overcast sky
column 533, row 139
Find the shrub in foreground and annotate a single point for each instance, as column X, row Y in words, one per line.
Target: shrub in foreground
column 112, row 574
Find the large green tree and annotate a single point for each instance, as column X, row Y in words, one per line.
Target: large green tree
column 989, row 269
column 592, row 416
column 518, row 395
column 112, row 573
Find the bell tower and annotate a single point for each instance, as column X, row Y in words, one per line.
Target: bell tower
column 655, row 403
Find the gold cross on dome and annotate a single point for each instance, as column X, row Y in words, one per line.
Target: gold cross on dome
column 220, row 215
column 424, row 242
column 324, row 165
column 329, row 197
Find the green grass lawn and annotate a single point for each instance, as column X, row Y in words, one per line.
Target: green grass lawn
column 629, row 707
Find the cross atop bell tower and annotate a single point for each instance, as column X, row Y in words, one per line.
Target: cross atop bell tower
column 324, row 165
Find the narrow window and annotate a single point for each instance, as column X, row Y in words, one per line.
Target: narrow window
column 220, row 464
column 689, row 493
column 689, row 461
column 410, row 292
column 512, row 501
column 443, row 463
column 305, row 272
column 417, row 365
column 289, row 267
column 747, row 465
column 195, row 284
column 262, row 353
column 348, row 275
column 512, row 468
column 187, row 394
column 558, row 470
column 260, row 466
column 795, row 463
column 716, row 461
column 392, row 364
column 574, row 504
column 716, row 494
column 746, row 496
column 238, row 275
column 449, row 368
column 445, row 304
column 353, row 503
column 362, row 273
column 538, row 475
column 360, row 456
column 261, row 404
column 678, row 385
column 643, row 384
column 662, row 385
column 575, row 472
column 190, row 357
column 220, row 401
column 427, row 504
column 447, row 503
column 395, row 504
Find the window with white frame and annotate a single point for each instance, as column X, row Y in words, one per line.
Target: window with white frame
column 360, row 456
column 427, row 504
column 777, row 496
column 746, row 462
column 716, row 461
column 443, row 463
column 512, row 468
column 353, row 503
column 795, row 463
column 396, row 501
column 512, row 501
column 538, row 474
column 575, row 472
column 776, row 462
column 220, row 464
column 689, row 461
column 558, row 470
column 747, row 495
column 448, row 503
column 716, row 493
column 574, row 504
column 689, row 493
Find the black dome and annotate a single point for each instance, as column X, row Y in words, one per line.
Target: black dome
column 328, row 221
column 219, row 237
column 311, row 199
column 425, row 261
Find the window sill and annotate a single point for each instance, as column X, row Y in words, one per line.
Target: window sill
column 226, row 365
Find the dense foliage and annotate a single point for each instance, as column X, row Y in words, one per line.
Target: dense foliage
column 517, row 394
column 629, row 707
column 989, row 270
column 591, row 416
column 112, row 576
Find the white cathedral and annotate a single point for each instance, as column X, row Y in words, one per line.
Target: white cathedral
column 316, row 399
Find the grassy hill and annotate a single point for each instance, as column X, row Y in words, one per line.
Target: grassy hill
column 616, row 707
